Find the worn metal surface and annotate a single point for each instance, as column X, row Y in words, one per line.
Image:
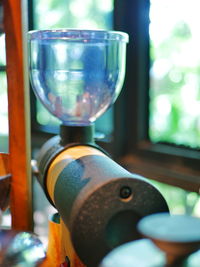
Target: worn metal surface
column 176, row 235
column 144, row 253
column 176, row 240
column 99, row 201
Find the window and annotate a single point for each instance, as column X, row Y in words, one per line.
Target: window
column 174, row 72
column 161, row 159
column 172, row 159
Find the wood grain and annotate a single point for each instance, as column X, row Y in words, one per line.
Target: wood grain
column 15, row 25
column 4, row 164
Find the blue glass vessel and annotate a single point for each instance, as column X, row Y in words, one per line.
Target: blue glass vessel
column 77, row 74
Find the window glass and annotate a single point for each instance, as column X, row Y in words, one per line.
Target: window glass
column 3, row 98
column 179, row 201
column 84, row 14
column 2, row 51
column 90, row 14
column 3, row 104
column 175, row 72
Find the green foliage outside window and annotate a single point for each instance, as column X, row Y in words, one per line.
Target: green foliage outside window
column 179, row 201
column 175, row 72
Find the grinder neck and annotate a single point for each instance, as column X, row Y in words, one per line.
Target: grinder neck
column 76, row 134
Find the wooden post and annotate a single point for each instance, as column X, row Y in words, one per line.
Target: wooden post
column 15, row 25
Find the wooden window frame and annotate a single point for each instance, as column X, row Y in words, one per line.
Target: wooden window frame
column 164, row 162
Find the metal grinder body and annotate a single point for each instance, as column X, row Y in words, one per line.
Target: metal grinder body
column 99, row 202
